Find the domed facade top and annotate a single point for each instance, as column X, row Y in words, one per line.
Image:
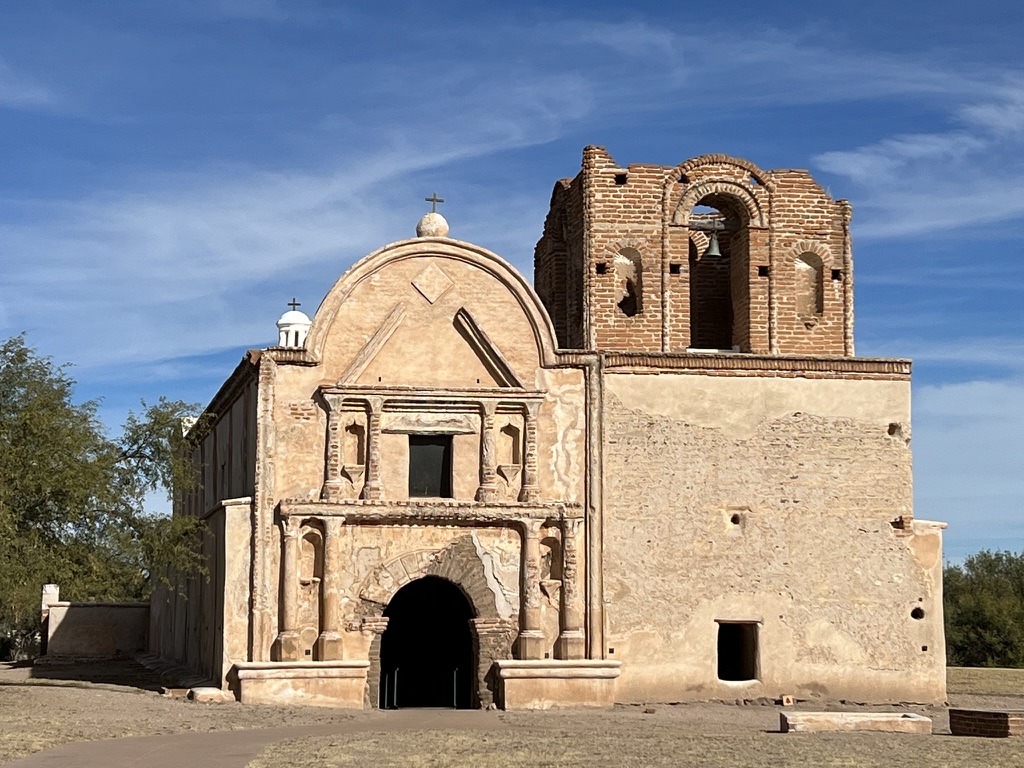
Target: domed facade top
column 432, row 224
column 292, row 327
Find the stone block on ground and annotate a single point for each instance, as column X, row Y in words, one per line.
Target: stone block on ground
column 819, row 722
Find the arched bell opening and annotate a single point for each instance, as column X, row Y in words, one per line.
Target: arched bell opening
column 718, row 264
column 427, row 653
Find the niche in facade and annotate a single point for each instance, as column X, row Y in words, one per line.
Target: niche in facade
column 354, row 452
column 810, row 287
column 737, row 650
column 629, row 281
column 510, row 452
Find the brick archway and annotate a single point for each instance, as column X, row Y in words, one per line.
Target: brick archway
column 459, row 564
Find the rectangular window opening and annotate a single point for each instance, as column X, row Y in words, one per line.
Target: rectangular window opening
column 430, row 466
column 674, row 269
column 737, row 651
column 762, row 271
column 601, row 267
column 837, row 274
column 620, row 179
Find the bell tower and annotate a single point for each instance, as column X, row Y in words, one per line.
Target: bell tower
column 713, row 255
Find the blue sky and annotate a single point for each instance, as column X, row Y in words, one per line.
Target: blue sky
column 172, row 173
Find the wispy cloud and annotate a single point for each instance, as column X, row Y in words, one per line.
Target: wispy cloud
column 20, row 91
column 968, row 459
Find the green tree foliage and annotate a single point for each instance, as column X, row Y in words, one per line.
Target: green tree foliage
column 984, row 607
column 71, row 497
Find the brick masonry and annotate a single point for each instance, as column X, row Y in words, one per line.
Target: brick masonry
column 782, row 283
column 992, row 723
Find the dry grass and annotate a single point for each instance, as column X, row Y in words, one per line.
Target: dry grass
column 38, row 713
column 985, row 681
column 636, row 745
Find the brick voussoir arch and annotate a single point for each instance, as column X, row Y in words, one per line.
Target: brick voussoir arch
column 820, row 250
column 457, row 563
column 693, row 164
column 697, row 192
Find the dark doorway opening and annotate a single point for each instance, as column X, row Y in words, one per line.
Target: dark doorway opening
column 426, row 653
column 737, row 651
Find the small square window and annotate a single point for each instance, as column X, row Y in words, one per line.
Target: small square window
column 620, row 179
column 430, row 466
column 837, row 275
column 737, row 650
column 674, row 269
column 601, row 267
column 762, row 270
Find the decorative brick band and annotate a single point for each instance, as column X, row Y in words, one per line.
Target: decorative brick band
column 749, row 365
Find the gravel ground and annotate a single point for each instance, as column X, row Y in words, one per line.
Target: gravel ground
column 121, row 699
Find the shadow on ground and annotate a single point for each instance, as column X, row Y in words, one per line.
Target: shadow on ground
column 117, row 672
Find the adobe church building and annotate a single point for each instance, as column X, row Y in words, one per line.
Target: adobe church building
column 658, row 474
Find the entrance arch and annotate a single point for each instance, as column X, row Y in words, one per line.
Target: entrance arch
column 427, row 656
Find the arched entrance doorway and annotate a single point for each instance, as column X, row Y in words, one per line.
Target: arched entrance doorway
column 426, row 653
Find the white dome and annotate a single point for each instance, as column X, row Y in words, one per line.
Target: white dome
column 292, row 328
column 293, row 317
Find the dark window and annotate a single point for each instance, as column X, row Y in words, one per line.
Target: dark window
column 737, row 651
column 430, row 466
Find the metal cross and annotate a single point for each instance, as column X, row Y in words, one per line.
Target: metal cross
column 294, row 304
column 434, row 200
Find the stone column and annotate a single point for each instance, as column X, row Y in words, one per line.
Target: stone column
column 530, row 491
column 571, row 639
column 372, row 627
column 328, row 644
column 493, row 639
column 288, row 638
column 531, row 638
column 333, row 482
column 488, row 490
column 371, row 489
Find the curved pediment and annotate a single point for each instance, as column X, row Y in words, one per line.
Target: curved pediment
column 431, row 312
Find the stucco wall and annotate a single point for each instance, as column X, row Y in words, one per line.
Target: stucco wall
column 108, row 630
column 767, row 500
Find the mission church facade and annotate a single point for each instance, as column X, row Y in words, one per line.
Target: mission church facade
column 658, row 474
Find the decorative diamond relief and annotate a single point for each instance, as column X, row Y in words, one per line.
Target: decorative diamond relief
column 432, row 283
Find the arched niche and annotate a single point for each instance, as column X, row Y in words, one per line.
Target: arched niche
column 809, row 286
column 629, row 291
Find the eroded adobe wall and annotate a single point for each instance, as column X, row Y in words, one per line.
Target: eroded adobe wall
column 201, row 621
column 767, row 500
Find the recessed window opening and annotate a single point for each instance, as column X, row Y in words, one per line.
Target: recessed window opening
column 621, row 178
column 810, row 296
column 762, row 270
column 674, row 269
column 629, row 286
column 837, row 275
column 737, row 651
column 601, row 268
column 430, row 466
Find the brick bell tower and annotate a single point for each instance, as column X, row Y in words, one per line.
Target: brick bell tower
column 712, row 255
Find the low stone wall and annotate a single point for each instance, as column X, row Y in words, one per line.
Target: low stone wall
column 101, row 630
column 994, row 723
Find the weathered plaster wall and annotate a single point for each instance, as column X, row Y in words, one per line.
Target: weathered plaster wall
column 107, row 630
column 767, row 500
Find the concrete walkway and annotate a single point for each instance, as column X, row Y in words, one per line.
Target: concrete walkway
column 234, row 749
